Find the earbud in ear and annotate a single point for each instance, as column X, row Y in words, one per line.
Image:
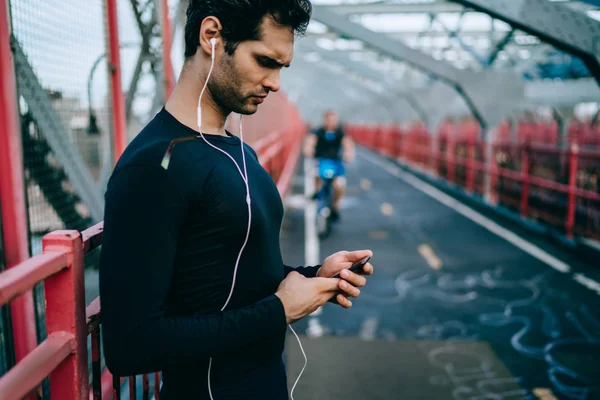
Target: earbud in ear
column 213, row 43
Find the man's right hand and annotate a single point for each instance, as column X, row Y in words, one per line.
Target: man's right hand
column 301, row 296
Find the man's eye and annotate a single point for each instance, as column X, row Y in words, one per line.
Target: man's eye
column 265, row 62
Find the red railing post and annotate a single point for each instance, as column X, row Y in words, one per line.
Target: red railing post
column 570, row 222
column 65, row 311
column 470, row 165
column 435, row 149
column 12, row 192
column 398, row 143
column 376, row 137
column 118, row 100
column 450, row 158
column 168, row 75
column 490, row 150
column 401, row 142
column 525, row 180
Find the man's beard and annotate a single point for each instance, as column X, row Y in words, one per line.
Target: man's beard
column 225, row 89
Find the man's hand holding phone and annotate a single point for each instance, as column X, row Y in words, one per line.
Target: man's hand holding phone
column 351, row 267
column 339, row 278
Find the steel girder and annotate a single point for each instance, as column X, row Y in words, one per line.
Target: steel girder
column 490, row 95
column 561, row 93
column 570, row 30
column 438, row 6
column 434, row 7
column 397, row 93
column 334, row 90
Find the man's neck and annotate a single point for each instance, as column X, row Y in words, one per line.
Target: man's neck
column 183, row 104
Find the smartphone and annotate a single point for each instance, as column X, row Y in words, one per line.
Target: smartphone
column 356, row 268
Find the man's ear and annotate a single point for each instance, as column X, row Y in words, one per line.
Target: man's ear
column 210, row 29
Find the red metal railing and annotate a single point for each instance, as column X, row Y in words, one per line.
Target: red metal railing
column 543, row 182
column 62, row 355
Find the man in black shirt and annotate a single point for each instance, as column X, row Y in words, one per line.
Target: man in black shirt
column 329, row 142
column 192, row 280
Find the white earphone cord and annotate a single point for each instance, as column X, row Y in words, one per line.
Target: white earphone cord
column 244, row 176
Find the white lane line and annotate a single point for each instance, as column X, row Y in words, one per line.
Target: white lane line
column 587, row 282
column 471, row 214
column 296, row 201
column 368, row 329
column 315, row 329
column 311, row 239
column 429, row 255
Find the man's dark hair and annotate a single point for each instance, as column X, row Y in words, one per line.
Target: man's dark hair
column 241, row 19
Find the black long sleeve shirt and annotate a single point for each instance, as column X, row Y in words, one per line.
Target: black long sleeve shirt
column 170, row 243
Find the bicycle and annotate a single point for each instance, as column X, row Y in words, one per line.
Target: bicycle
column 328, row 170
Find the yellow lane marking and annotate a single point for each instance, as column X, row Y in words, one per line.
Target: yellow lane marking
column 387, row 209
column 429, row 256
column 365, row 184
column 378, row 235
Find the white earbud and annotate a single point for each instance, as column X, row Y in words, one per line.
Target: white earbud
column 213, row 43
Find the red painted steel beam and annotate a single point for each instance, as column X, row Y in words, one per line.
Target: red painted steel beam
column 262, row 144
column 65, row 311
column 12, row 191
column 106, row 385
column 169, row 77
column 525, row 182
column 285, row 179
column 570, row 222
column 269, row 154
column 118, row 100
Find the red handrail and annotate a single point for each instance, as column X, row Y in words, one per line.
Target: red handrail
column 456, row 157
column 62, row 356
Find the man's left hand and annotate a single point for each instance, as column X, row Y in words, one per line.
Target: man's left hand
column 350, row 282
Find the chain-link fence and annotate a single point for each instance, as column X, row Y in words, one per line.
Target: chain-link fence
column 65, row 105
column 64, row 102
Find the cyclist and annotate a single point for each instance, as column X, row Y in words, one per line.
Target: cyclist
column 330, row 142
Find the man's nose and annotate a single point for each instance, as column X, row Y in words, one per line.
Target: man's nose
column 273, row 81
